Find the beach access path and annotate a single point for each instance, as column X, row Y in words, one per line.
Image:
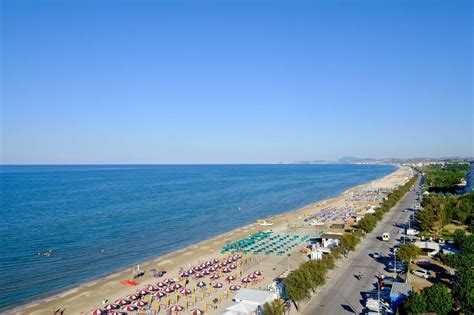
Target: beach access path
column 342, row 294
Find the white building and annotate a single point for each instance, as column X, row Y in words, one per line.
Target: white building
column 250, row 302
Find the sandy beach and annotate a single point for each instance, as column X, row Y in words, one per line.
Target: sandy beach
column 87, row 297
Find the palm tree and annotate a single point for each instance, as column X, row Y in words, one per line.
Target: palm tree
column 276, row 307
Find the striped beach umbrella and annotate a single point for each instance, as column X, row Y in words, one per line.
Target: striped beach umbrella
column 140, row 303
column 159, row 294
column 215, row 260
column 152, row 287
column 234, row 287
column 214, row 276
column 141, row 292
column 212, row 269
column 176, row 308
column 246, row 280
column 230, row 278
column 201, row 284
column 183, row 274
column 98, row 312
column 161, row 284
column 202, row 266
column 133, row 297
column 257, row 273
column 232, row 266
column 185, row 291
column 196, row 311
column 176, row 286
column 196, row 268
column 209, row 263
column 217, row 285
column 199, row 275
column 168, row 290
column 129, row 308
column 122, row 302
column 252, row 276
column 170, row 281
column 206, row 272
column 111, row 307
column 226, row 270
column 191, row 271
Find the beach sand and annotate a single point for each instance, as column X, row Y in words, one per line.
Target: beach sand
column 89, row 296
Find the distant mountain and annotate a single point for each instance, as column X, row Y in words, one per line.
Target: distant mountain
column 352, row 159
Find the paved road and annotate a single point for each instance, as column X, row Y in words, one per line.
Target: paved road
column 342, row 293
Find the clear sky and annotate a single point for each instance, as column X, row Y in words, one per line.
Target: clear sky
column 235, row 81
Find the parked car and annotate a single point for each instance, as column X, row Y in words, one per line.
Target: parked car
column 399, row 266
column 421, row 273
column 376, row 255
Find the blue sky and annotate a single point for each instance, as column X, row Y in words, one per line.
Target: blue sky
column 234, row 81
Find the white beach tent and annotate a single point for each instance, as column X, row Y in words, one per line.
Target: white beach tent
column 241, row 308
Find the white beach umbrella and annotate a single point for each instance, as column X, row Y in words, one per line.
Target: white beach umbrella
column 200, row 284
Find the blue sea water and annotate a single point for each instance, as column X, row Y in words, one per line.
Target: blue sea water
column 137, row 212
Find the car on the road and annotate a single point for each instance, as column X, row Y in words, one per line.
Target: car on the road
column 406, row 210
column 421, row 273
column 376, row 255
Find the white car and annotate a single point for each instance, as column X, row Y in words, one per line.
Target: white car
column 376, row 255
column 421, row 273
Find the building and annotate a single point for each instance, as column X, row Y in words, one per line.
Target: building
column 250, row 302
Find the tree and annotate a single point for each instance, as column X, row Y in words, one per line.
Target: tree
column 407, row 252
column 438, row 299
column 464, row 290
column 276, row 307
column 297, row 285
column 329, row 261
column 415, row 303
column 458, row 237
column 315, row 272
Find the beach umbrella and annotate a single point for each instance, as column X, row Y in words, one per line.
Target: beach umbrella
column 161, row 284
column 122, row 302
column 230, row 278
column 133, row 297
column 201, row 284
column 224, row 263
column 168, row 290
column 214, row 276
column 257, row 273
column 209, row 263
column 232, row 266
column 215, row 260
column 141, row 292
column 176, row 286
column 170, row 281
column 234, row 287
column 202, row 266
column 246, row 280
column 229, row 260
column 185, row 291
column 196, row 311
column 196, row 268
column 199, row 275
column 152, row 288
column 159, row 294
column 212, row 269
column 217, row 285
column 98, row 312
column 219, row 265
column 176, row 308
column 226, row 269
column 129, row 308
column 252, row 276
column 140, row 303
column 110, row 307
column 183, row 274
column 206, row 272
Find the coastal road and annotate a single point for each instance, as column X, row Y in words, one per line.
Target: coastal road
column 342, row 294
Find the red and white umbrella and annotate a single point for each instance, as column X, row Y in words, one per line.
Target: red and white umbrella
column 209, row 263
column 229, row 260
column 257, row 273
column 238, row 256
column 234, row 287
column 202, row 266
column 170, row 280
column 226, row 269
column 199, row 275
column 252, row 276
column 191, row 271
column 183, row 274
column 196, row 268
column 217, row 285
column 159, row 294
column 168, row 290
column 110, row 307
column 176, row 308
column 98, row 312
column 196, row 311
column 215, row 260
column 206, row 272
column 161, row 284
column 214, row 276
column 219, row 265
column 212, row 269
column 176, row 286
column 224, row 263
column 152, row 288
column 185, row 291
column 230, row 278
column 232, row 266
column 141, row 292
column 133, row 297
column 246, row 280
column 201, row 284
column 129, row 308
column 140, row 303
column 122, row 302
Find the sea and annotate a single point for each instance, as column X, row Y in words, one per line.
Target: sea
column 137, row 212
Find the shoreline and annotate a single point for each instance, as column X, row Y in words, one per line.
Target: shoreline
column 56, row 298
